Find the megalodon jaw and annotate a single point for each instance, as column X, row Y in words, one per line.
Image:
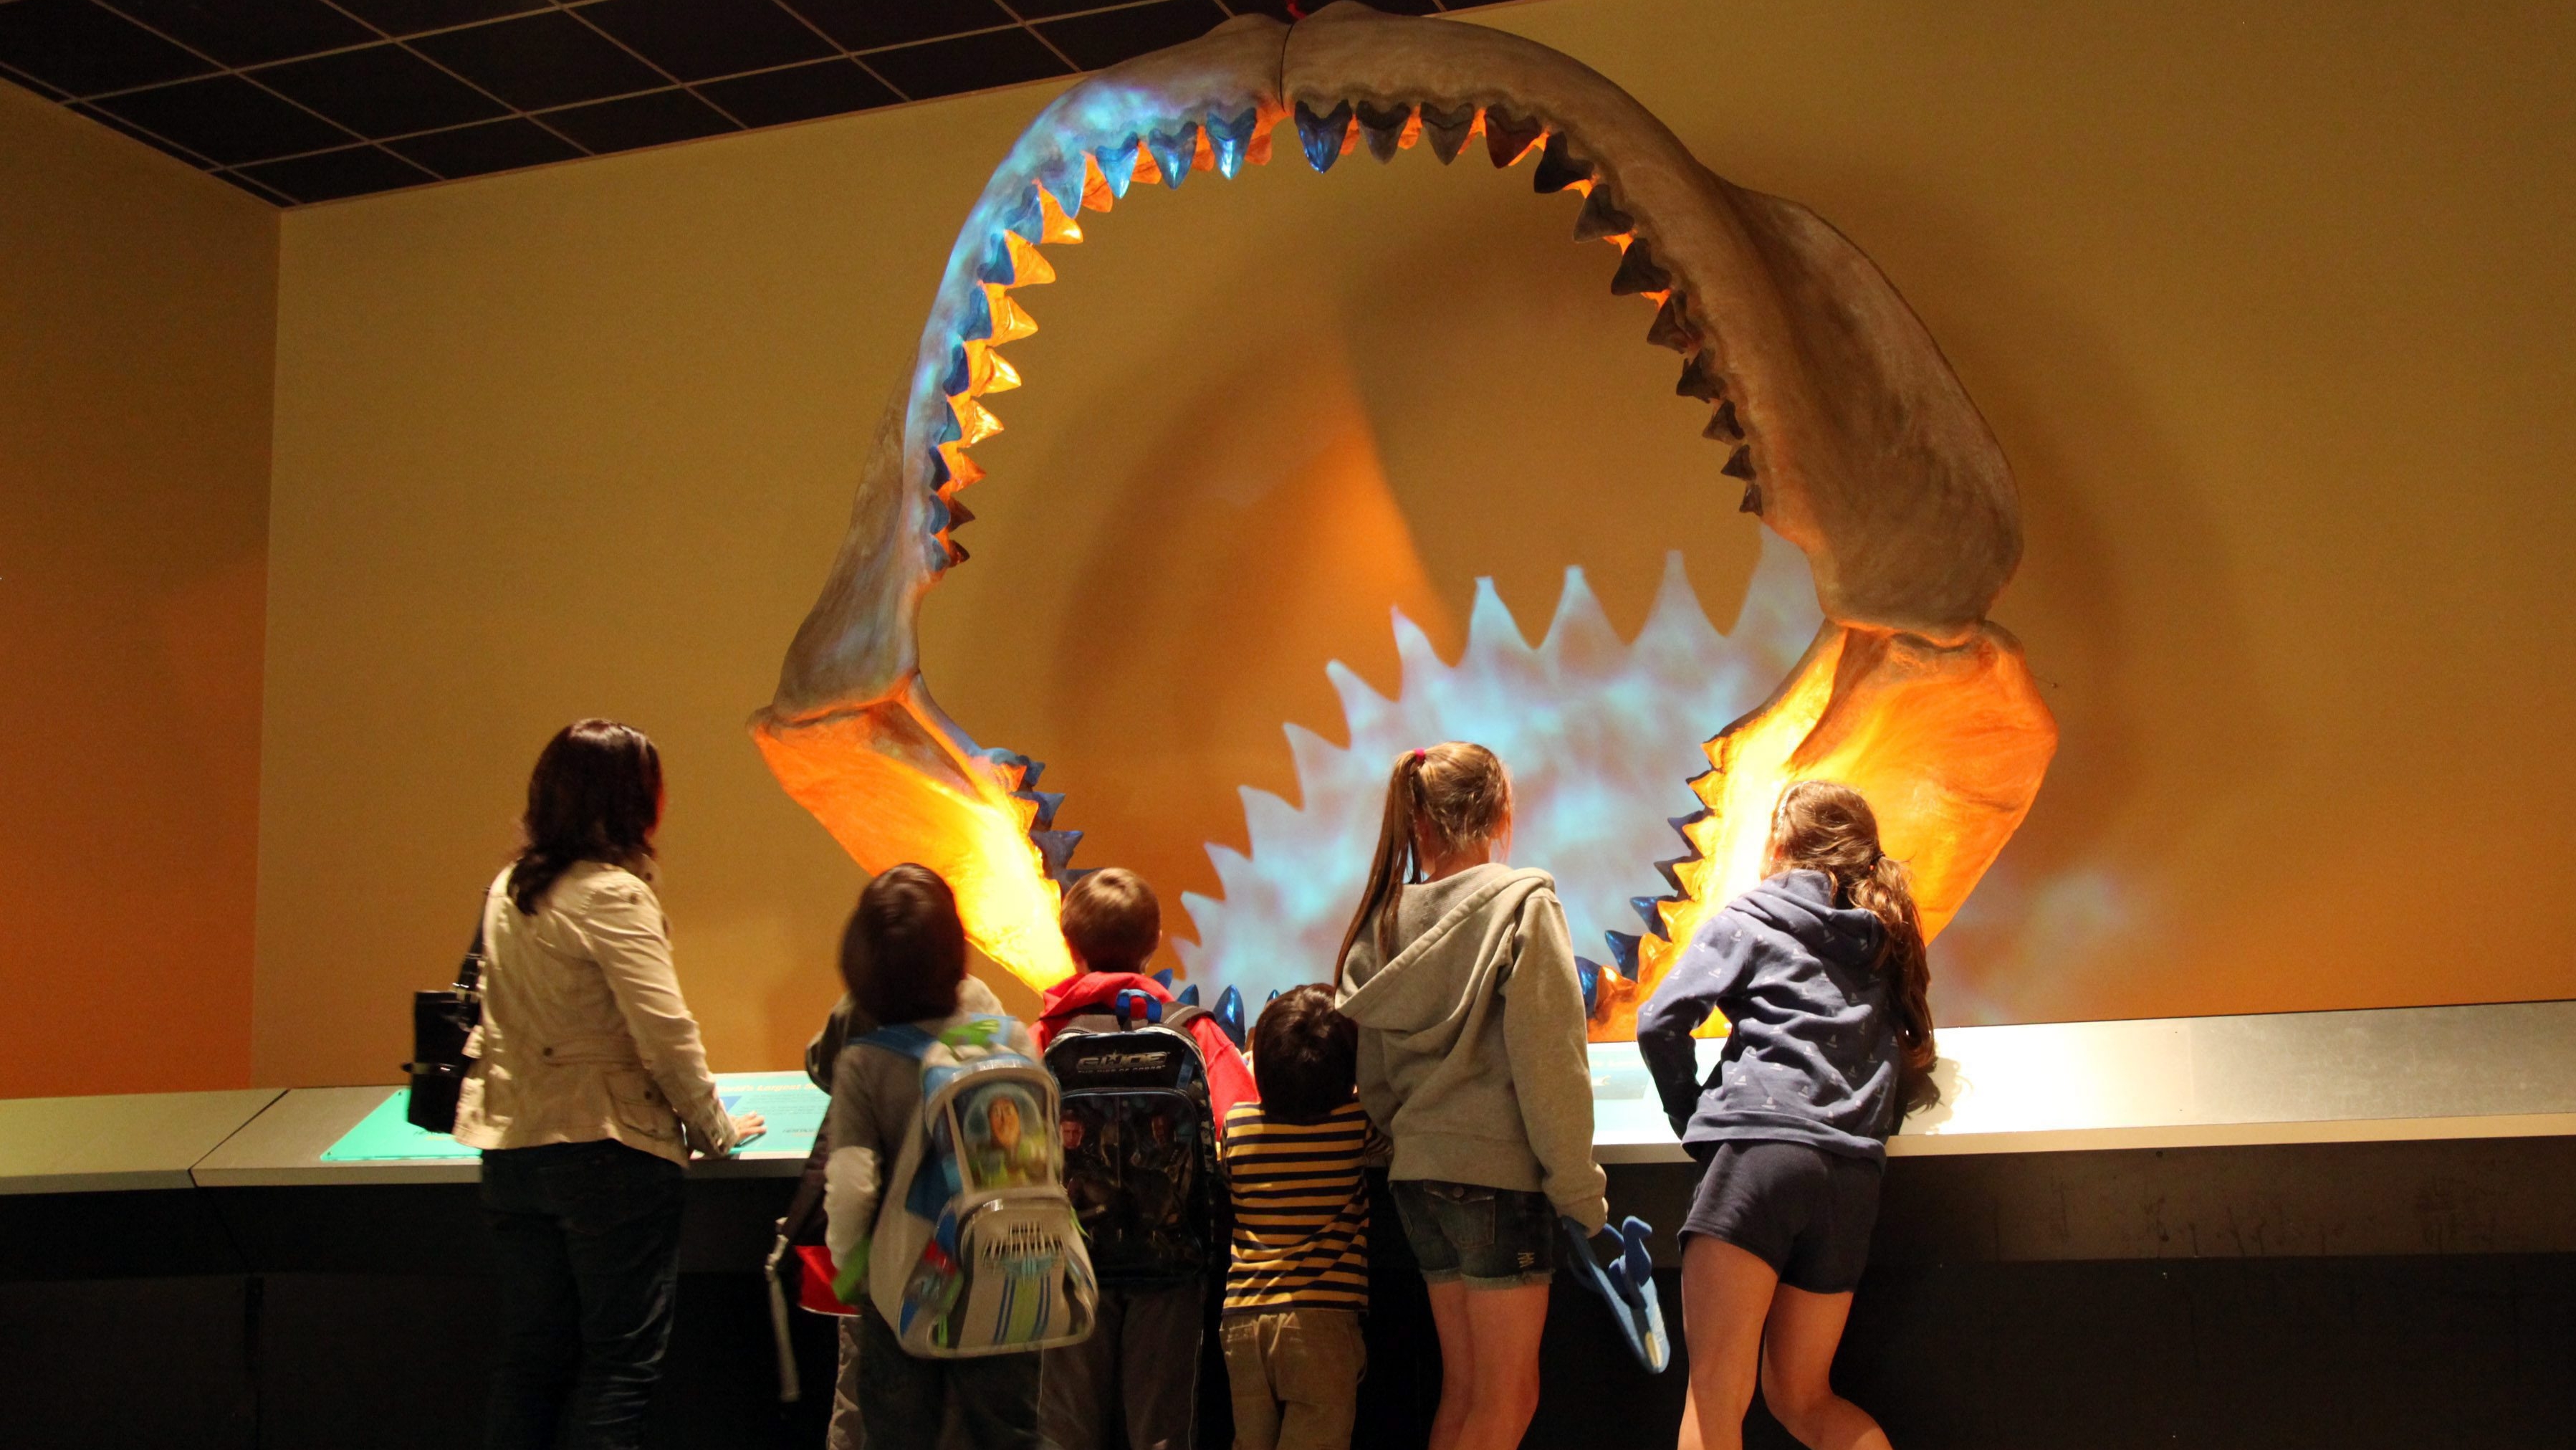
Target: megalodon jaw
column 1826, row 401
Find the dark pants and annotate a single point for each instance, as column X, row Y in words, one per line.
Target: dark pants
column 902, row 1397
column 1138, row 1372
column 587, row 1236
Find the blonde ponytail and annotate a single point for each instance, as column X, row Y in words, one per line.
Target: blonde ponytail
column 1453, row 795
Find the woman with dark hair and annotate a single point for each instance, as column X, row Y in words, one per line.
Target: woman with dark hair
column 588, row 1092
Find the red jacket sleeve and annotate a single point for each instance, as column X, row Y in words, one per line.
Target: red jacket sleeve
column 1229, row 1079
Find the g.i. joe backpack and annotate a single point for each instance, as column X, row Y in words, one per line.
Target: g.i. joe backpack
column 1139, row 1149
column 976, row 1250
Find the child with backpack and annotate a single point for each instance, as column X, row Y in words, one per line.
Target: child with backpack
column 1145, row 1080
column 1298, row 1283
column 1471, row 1058
column 945, row 1210
column 1821, row 971
column 803, row 1223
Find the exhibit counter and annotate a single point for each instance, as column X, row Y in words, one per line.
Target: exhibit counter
column 2100, row 1202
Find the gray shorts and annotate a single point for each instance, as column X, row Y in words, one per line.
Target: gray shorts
column 1487, row 1238
column 1805, row 1212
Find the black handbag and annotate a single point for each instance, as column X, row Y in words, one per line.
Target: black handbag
column 441, row 1020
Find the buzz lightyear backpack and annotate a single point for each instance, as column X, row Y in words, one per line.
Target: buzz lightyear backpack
column 976, row 1249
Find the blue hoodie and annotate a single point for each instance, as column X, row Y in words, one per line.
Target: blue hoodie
column 1811, row 1055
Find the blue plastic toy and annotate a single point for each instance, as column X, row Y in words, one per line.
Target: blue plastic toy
column 1627, row 1285
column 1188, row 996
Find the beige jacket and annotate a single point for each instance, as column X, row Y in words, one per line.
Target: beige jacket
column 584, row 1035
column 1471, row 1050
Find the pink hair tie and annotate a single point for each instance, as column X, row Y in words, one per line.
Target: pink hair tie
column 1420, row 755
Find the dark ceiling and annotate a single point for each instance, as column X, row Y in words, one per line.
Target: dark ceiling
column 310, row 100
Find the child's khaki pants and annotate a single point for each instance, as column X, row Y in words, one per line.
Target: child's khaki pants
column 1294, row 1377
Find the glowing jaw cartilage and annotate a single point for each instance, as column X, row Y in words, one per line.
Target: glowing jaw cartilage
column 1829, row 401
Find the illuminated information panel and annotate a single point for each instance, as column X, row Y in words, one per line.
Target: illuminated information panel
column 793, row 1106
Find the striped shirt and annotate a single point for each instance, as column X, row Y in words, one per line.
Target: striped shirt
column 1300, row 1211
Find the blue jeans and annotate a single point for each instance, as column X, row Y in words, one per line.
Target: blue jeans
column 587, row 1236
column 903, row 1398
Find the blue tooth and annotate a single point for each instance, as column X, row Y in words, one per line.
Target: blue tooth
column 996, row 266
column 975, row 319
column 1322, row 136
column 1174, row 154
column 1231, row 140
column 1062, row 178
column 1165, row 977
column 1273, row 997
column 1672, row 872
column 1057, row 848
column 1623, row 950
column 1118, row 165
column 1026, row 218
column 1030, row 770
column 1229, row 1013
column 938, row 469
column 1048, row 803
column 946, row 429
column 958, row 373
column 938, row 514
column 1188, row 996
column 1588, row 973
column 1644, row 906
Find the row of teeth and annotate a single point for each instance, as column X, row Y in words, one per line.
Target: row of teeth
column 1096, row 179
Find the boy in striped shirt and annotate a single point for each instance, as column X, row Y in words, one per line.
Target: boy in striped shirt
column 1298, row 1282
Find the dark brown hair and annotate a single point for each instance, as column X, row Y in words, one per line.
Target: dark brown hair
column 596, row 795
column 1450, row 796
column 903, row 955
column 1305, row 1055
column 1111, row 918
column 1822, row 826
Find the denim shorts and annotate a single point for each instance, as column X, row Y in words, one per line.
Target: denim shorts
column 1486, row 1238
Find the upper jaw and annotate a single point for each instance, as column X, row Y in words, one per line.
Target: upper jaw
column 1825, row 394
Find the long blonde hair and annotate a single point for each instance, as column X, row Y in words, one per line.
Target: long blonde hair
column 1822, row 826
column 1453, row 796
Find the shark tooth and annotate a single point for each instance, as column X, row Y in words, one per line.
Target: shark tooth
column 1447, row 131
column 1322, row 136
column 1507, row 136
column 1638, row 272
column 1672, row 326
column 1174, row 151
column 1600, row 218
column 1558, row 167
column 1232, row 138
column 1382, row 127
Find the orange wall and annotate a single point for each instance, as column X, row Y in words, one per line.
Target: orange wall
column 137, row 312
column 2269, row 307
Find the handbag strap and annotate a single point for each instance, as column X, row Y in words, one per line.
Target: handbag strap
column 469, row 972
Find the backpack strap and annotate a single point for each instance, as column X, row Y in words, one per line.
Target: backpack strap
column 903, row 1039
column 912, row 1040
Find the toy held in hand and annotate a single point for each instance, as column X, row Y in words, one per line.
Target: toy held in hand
column 1627, row 1285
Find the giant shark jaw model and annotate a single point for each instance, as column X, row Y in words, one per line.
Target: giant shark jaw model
column 1826, row 399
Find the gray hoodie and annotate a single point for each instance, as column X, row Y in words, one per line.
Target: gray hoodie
column 1471, row 1052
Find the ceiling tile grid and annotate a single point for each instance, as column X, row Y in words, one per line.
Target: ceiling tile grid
column 299, row 101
